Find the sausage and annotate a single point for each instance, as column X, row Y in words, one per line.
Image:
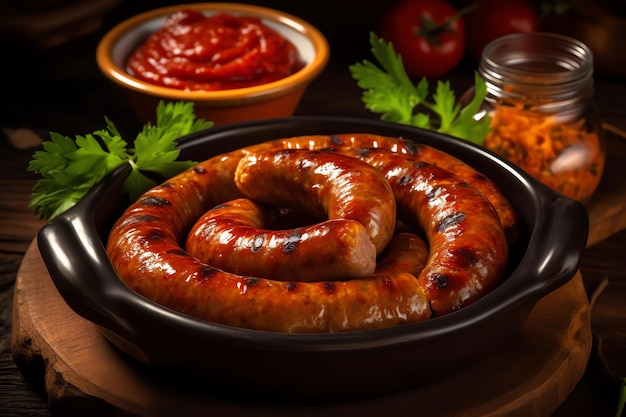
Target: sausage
column 407, row 252
column 354, row 196
column 434, row 156
column 144, row 249
column 467, row 244
column 325, row 184
column 236, row 237
column 508, row 216
column 419, row 152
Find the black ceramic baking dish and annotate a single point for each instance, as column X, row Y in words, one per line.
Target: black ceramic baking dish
column 553, row 237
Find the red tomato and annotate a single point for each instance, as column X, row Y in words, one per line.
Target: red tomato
column 495, row 18
column 427, row 34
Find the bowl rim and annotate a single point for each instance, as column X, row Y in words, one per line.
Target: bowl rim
column 276, row 88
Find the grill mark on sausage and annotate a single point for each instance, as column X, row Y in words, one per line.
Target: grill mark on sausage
column 451, row 220
column 155, row 236
column 205, row 272
column 363, row 152
column 139, row 219
column 330, row 287
column 435, row 192
column 155, row 202
column 405, row 180
column 440, row 281
column 464, row 257
column 336, row 140
column 293, row 241
column 257, row 243
column 413, row 148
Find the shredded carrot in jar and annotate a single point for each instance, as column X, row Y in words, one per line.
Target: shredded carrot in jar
column 564, row 156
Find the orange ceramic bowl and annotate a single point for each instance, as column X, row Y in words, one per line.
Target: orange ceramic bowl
column 274, row 99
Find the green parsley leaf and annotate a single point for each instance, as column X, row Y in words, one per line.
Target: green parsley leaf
column 52, row 158
column 179, row 117
column 91, row 157
column 136, row 182
column 155, row 150
column 71, row 167
column 390, row 92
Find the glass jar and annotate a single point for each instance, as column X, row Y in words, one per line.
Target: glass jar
column 543, row 118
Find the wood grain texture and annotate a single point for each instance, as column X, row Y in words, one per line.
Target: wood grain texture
column 529, row 376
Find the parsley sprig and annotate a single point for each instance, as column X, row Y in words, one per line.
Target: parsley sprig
column 390, row 91
column 71, row 167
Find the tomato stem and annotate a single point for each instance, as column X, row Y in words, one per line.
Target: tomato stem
column 432, row 31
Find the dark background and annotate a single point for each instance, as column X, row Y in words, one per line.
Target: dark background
column 49, row 80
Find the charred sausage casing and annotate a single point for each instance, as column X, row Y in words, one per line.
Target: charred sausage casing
column 144, row 249
column 237, row 237
column 467, row 246
column 415, row 151
column 328, row 185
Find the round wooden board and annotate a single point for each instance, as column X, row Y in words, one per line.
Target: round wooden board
column 531, row 375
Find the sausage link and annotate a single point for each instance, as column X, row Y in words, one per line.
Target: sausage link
column 330, row 185
column 467, row 244
column 144, row 247
column 145, row 251
column 414, row 150
column 234, row 236
column 407, row 252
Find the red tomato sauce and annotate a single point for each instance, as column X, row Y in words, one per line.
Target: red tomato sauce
column 192, row 51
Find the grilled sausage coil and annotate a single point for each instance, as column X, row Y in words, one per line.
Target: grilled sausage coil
column 467, row 244
column 413, row 150
column 236, row 237
column 326, row 184
column 466, row 255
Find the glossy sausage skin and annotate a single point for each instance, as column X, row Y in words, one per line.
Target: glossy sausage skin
column 145, row 251
column 407, row 252
column 468, row 247
column 416, row 151
column 144, row 248
column 236, row 237
column 326, row 184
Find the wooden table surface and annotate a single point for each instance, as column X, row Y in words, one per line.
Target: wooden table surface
column 71, row 97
